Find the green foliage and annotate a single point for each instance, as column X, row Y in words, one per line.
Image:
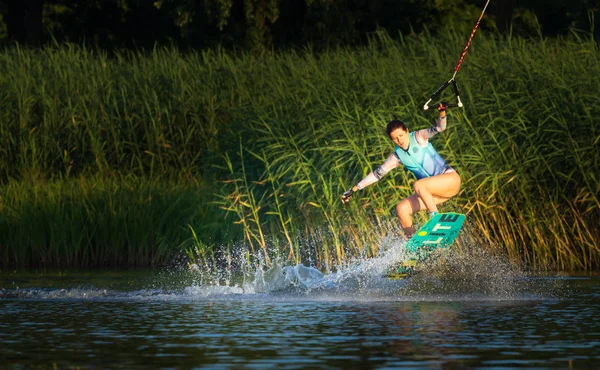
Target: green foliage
column 274, row 139
column 219, row 10
column 3, row 34
column 461, row 14
column 261, row 25
column 96, row 222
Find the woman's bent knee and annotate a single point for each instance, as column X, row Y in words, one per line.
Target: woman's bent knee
column 404, row 209
column 418, row 186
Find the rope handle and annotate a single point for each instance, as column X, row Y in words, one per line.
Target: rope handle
column 452, row 81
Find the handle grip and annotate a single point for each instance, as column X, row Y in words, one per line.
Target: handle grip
column 457, row 105
column 439, row 90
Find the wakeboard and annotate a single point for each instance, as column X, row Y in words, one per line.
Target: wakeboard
column 438, row 233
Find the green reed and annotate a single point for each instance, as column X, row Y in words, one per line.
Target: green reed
column 259, row 148
column 94, row 222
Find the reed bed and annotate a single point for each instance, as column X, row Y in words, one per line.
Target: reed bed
column 91, row 222
column 138, row 158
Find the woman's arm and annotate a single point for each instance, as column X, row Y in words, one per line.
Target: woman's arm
column 390, row 163
column 424, row 135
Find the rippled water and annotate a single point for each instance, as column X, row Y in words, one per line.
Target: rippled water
column 140, row 320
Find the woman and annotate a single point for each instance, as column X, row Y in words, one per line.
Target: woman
column 436, row 181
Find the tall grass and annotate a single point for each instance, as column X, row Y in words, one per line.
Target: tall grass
column 275, row 139
column 91, row 222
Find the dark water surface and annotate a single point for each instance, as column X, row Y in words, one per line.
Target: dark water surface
column 143, row 320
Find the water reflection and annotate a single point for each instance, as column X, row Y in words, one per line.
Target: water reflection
column 532, row 327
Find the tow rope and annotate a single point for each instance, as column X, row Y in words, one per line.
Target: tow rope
column 452, row 81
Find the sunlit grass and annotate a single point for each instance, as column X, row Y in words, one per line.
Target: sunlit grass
column 262, row 147
column 92, row 222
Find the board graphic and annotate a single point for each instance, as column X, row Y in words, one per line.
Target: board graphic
column 438, row 233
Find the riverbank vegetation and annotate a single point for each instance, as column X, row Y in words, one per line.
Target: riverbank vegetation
column 145, row 158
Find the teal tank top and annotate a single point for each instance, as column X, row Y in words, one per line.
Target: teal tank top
column 423, row 161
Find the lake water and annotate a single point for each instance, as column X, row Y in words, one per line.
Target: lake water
column 480, row 314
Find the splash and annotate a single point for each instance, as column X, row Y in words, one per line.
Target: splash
column 468, row 273
column 454, row 274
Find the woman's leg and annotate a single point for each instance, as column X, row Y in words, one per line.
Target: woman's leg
column 438, row 189
column 442, row 187
column 405, row 209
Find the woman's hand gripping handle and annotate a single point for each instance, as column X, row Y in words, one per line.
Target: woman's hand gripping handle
column 348, row 194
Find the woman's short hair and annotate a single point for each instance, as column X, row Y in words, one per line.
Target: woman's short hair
column 395, row 124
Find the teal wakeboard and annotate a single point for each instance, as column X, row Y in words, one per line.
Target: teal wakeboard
column 438, row 233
